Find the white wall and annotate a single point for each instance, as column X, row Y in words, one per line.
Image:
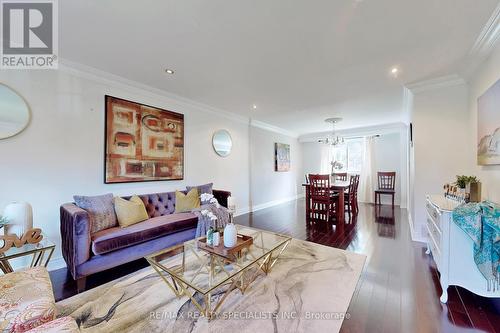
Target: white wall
column 387, row 157
column 61, row 152
column 268, row 186
column 441, row 140
column 485, row 76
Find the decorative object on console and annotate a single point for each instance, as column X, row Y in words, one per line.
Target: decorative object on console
column 20, row 217
column 488, row 126
column 143, row 143
column 231, row 204
column 465, row 189
column 281, row 157
column 30, row 236
column 222, row 143
column 186, row 202
column 14, row 113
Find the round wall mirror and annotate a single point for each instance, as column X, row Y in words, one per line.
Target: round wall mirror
column 222, row 143
column 14, row 112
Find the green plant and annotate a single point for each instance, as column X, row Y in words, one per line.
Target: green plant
column 3, row 221
column 462, row 181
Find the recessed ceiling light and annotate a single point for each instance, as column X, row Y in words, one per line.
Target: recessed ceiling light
column 254, row 107
column 394, row 71
column 169, row 71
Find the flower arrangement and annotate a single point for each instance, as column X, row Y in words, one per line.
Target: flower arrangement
column 463, row 181
column 209, row 198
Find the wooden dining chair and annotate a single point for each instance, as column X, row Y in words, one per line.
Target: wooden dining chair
column 322, row 198
column 339, row 176
column 386, row 185
column 351, row 196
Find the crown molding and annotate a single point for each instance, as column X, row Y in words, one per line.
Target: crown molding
column 488, row 37
column 107, row 78
column 357, row 131
column 272, row 128
column 436, row 83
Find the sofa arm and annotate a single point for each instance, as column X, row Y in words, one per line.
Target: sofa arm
column 221, row 196
column 75, row 234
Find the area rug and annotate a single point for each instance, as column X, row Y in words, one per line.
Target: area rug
column 308, row 290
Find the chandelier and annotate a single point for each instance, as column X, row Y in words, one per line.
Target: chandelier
column 333, row 139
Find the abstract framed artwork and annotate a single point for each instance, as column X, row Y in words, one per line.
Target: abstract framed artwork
column 281, row 157
column 488, row 126
column 142, row 143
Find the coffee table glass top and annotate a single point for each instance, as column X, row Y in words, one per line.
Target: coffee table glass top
column 204, row 272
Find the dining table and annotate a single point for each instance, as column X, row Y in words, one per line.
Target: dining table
column 339, row 186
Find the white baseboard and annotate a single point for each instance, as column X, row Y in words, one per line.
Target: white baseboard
column 56, row 263
column 416, row 237
column 276, row 202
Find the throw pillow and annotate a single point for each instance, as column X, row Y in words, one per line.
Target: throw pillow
column 130, row 211
column 206, row 188
column 101, row 210
column 187, row 202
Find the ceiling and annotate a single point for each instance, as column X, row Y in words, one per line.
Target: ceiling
column 298, row 61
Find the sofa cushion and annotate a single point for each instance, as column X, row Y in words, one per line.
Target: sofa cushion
column 187, row 202
column 26, row 300
column 101, row 210
column 131, row 211
column 116, row 238
column 205, row 188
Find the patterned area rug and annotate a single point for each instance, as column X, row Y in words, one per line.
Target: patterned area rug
column 308, row 290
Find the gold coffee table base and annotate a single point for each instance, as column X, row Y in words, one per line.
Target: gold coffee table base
column 212, row 265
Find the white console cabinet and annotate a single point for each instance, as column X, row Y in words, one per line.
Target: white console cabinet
column 452, row 250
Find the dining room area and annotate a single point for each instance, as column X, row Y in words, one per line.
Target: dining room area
column 343, row 171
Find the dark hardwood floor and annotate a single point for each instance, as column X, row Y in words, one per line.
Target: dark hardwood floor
column 398, row 291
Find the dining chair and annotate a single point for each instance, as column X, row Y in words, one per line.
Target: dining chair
column 339, row 176
column 386, row 185
column 322, row 198
column 350, row 197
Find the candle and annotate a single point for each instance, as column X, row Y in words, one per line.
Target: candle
column 231, row 204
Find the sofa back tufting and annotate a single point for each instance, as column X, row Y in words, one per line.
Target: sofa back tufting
column 159, row 204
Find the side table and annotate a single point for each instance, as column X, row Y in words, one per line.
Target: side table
column 38, row 251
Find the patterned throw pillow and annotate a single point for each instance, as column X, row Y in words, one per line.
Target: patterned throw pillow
column 186, row 202
column 206, row 188
column 101, row 211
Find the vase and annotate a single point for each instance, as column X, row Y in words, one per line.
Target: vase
column 210, row 236
column 216, row 238
column 20, row 217
column 230, row 235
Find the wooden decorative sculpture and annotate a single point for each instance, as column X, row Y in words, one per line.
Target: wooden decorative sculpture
column 31, row 236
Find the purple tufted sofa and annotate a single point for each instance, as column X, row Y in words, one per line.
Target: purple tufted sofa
column 87, row 253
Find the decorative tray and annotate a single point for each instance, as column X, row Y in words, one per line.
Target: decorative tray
column 230, row 253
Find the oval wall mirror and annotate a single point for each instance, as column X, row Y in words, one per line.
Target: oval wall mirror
column 14, row 112
column 222, row 143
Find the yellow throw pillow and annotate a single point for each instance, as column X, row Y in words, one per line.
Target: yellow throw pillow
column 130, row 211
column 187, row 202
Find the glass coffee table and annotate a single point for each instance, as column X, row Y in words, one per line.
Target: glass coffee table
column 196, row 270
column 38, row 251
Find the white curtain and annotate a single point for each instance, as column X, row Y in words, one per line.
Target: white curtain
column 366, row 179
column 326, row 159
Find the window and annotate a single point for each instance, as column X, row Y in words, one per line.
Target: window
column 350, row 156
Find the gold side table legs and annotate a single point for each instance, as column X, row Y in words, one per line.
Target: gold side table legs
column 36, row 260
